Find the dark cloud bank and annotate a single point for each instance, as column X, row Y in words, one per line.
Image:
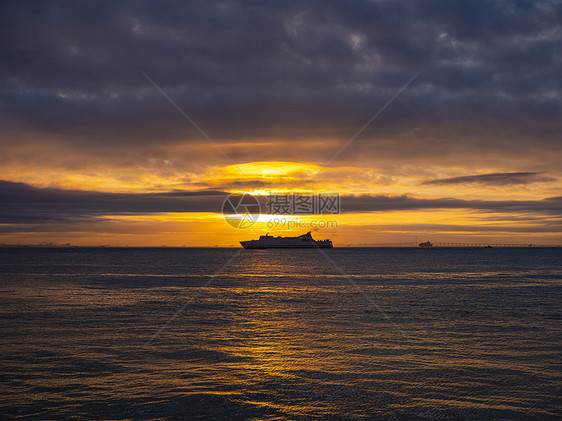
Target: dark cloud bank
column 21, row 203
column 490, row 79
column 496, row 179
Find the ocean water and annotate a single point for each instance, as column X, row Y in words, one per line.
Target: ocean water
column 280, row 334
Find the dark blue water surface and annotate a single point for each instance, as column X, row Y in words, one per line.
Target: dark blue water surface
column 281, row 334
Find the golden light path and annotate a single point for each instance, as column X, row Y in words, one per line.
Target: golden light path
column 210, row 229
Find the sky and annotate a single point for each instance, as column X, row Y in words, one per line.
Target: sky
column 129, row 123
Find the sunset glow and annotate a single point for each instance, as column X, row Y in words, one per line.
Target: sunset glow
column 281, row 210
column 452, row 134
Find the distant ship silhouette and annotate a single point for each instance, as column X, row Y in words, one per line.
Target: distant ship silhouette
column 302, row 241
column 426, row 244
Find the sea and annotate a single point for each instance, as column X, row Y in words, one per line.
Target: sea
column 234, row 334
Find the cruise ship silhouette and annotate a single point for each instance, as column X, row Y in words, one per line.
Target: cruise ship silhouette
column 302, row 241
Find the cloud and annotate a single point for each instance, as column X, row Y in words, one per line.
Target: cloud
column 496, row 179
column 21, row 203
column 295, row 71
column 371, row 203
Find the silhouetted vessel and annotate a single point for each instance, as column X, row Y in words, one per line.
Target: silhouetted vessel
column 425, row 245
column 302, row 241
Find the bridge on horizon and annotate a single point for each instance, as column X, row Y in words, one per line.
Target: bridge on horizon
column 467, row 245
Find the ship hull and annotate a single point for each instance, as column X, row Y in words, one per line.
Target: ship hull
column 304, row 241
